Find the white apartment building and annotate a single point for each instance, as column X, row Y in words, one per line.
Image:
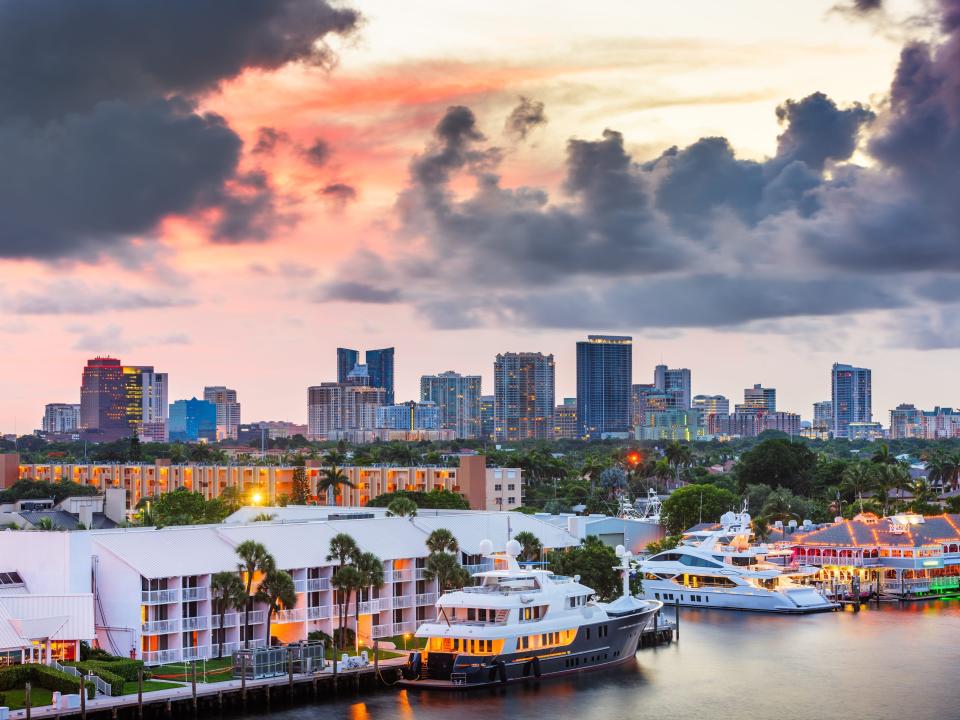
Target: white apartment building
column 151, row 588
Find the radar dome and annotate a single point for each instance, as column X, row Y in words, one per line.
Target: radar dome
column 514, row 548
column 621, row 551
column 486, row 547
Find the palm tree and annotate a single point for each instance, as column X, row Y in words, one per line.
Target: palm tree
column 662, row 470
column 276, row 591
column 939, row 469
column 402, row 507
column 779, row 506
column 532, row 547
column 333, row 478
column 343, row 548
column 45, row 524
column 254, row 558
column 371, row 575
column 678, row 456
column 882, row 456
column 888, row 478
column 444, row 568
column 761, row 528
column 345, row 580
column 857, row 478
column 227, row 592
column 922, row 494
column 442, row 540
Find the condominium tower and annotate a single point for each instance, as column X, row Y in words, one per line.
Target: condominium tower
column 604, row 377
column 852, row 397
column 523, row 396
column 458, row 401
column 228, row 410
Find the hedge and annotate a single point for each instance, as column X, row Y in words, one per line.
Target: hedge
column 14, row 677
column 124, row 667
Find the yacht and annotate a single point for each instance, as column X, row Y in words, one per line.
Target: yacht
column 722, row 568
column 521, row 623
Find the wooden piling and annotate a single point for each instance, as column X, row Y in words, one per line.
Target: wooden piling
column 243, row 680
column 677, row 610
column 83, row 698
column 193, row 685
column 26, row 699
column 376, row 661
column 140, row 694
column 290, row 671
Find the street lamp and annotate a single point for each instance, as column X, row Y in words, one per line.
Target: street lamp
column 405, row 638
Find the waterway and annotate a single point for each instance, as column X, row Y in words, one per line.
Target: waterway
column 895, row 662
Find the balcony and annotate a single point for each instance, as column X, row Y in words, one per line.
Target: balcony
column 420, row 574
column 196, row 623
column 160, row 627
column 159, row 597
column 410, row 626
column 426, row 599
column 202, row 652
column 382, row 631
column 402, row 575
column 300, row 586
column 191, row 594
column 256, row 617
column 161, row 657
column 402, row 601
column 321, row 612
column 288, row 616
column 477, row 568
column 317, row 584
column 375, row 606
column 229, row 620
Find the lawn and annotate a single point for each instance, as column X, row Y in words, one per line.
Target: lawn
column 130, row 688
column 407, row 642
column 217, row 670
column 38, row 698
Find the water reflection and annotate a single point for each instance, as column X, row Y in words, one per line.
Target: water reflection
column 887, row 662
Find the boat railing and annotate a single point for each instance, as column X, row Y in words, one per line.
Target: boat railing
column 499, row 590
column 475, row 623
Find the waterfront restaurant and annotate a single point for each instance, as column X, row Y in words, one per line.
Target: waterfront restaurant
column 905, row 555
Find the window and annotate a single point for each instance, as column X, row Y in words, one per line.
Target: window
column 511, row 500
column 500, row 501
column 511, row 487
column 498, row 488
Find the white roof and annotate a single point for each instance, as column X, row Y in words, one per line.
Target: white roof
column 169, row 552
column 32, row 617
column 498, row 527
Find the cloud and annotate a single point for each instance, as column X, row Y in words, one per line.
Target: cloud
column 268, row 139
column 318, row 153
column 72, row 298
column 526, row 116
column 356, row 292
column 99, row 127
column 111, row 339
column 339, row 194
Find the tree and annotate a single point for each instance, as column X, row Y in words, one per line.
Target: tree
column 442, row 540
column 227, row 592
column 277, row 591
column 370, row 575
column 444, row 568
column 778, row 463
column 882, row 456
column 594, row 562
column 856, row 479
column 343, row 549
column 761, row 528
column 678, row 456
column 333, row 479
column 532, row 547
column 692, row 504
column 402, row 507
column 886, row 479
column 300, row 484
column 254, row 558
column 435, row 499
column 345, row 581
column 782, row 505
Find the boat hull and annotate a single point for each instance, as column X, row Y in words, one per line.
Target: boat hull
column 588, row 651
column 798, row 601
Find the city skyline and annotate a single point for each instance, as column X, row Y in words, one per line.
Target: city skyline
column 310, row 212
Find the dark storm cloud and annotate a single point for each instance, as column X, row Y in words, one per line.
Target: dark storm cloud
column 818, row 131
column 71, row 298
column 318, row 153
column 356, row 292
column 99, row 132
column 268, row 139
column 339, row 194
column 524, row 118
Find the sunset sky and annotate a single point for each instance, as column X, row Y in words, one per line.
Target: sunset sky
column 205, row 187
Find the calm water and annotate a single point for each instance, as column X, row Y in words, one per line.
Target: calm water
column 888, row 663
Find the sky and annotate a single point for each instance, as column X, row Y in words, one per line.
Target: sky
column 751, row 189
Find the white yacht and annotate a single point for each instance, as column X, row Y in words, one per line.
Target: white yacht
column 722, row 568
column 523, row 623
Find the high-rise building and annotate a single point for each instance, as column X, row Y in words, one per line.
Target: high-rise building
column 669, row 425
column 103, row 401
column 192, row 420
column 346, row 360
column 409, row 416
column 785, row 422
column 823, row 415
column 146, row 402
column 905, row 422
column 940, row 423
column 458, row 401
column 714, row 413
column 604, row 377
column 565, row 420
column 228, row 410
column 487, row 417
column 675, row 382
column 524, row 393
column 61, row 418
column 359, row 375
column 760, row 397
column 333, row 407
column 380, row 367
column 746, row 422
column 645, row 399
column 852, row 397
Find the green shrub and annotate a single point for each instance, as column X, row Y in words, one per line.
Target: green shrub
column 126, row 668
column 3, row 700
column 14, row 677
column 112, row 679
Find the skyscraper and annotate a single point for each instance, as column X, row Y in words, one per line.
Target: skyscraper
column 487, row 421
column 192, row 420
column 61, row 418
column 409, row 416
column 905, row 422
column 380, row 367
column 103, row 405
column 714, row 413
column 675, row 382
column 565, row 420
column 332, row 407
column 523, row 396
column 852, row 397
column 458, row 401
column 346, row 359
column 761, row 398
column 604, row 377
column 228, row 410
column 823, row 415
column 146, row 402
